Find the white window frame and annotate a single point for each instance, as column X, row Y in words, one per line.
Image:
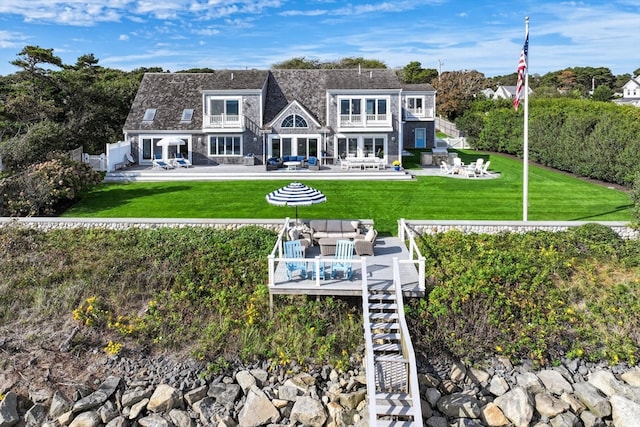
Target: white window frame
column 224, row 119
column 213, row 142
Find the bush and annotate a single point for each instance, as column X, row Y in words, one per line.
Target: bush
column 44, row 187
column 635, row 197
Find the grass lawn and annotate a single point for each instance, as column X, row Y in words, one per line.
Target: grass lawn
column 552, row 196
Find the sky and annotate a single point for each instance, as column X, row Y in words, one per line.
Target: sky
column 446, row 35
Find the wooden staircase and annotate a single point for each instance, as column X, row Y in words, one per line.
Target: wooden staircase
column 392, row 382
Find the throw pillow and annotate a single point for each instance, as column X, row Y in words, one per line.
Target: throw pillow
column 371, row 234
column 293, row 234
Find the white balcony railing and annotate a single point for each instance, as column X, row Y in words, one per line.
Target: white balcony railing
column 365, row 120
column 224, row 121
column 419, row 113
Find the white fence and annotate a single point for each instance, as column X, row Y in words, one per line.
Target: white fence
column 97, row 162
column 117, row 155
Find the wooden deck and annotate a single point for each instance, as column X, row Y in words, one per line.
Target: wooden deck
column 379, row 270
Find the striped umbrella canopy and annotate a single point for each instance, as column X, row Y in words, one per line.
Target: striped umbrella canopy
column 295, row 194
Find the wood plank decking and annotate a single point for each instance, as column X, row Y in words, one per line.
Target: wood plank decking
column 379, row 272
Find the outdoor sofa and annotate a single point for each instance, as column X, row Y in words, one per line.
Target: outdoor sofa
column 334, row 228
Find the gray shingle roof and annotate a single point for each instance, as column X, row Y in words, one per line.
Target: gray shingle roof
column 171, row 93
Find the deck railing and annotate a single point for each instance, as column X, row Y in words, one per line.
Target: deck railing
column 406, row 234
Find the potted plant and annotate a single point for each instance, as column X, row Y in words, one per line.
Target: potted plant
column 396, row 165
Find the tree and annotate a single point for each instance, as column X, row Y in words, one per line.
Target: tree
column 31, row 57
column 602, row 93
column 456, row 91
column 299, row 63
column 346, row 63
column 414, row 73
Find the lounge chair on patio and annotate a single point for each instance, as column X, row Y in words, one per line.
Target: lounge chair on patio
column 181, row 162
column 293, row 251
column 344, row 258
column 364, row 243
column 159, row 162
column 485, row 169
column 445, row 169
column 313, row 163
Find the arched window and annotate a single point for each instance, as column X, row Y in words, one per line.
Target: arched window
column 294, row 121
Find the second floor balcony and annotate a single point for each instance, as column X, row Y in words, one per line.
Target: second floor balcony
column 223, row 121
column 418, row 113
column 364, row 120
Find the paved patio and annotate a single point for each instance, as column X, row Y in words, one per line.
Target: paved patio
column 241, row 172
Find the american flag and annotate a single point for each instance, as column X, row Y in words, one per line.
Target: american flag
column 522, row 68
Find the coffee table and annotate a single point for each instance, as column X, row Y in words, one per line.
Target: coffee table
column 291, row 166
column 328, row 245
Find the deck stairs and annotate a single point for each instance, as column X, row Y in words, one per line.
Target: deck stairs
column 392, row 382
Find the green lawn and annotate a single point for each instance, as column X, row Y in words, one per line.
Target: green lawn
column 552, row 196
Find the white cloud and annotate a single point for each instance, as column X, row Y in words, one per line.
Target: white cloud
column 123, row 37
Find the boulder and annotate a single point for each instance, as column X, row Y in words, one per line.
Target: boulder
column 86, row 419
column 516, row 406
column 609, row 385
column 257, row 410
column 154, row 420
column 164, row 399
column 245, row 380
column 566, row 419
column 9, row 410
column 492, row 416
column 554, row 382
column 549, row 406
column 626, row 413
column 632, row 377
column 309, row 412
column 592, row 399
column 498, row 386
column 460, row 405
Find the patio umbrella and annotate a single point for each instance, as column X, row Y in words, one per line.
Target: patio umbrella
column 166, row 142
column 295, row 194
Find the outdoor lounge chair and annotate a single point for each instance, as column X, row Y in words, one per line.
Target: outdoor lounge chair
column 313, row 163
column 485, row 169
column 364, row 243
column 181, row 162
column 344, row 258
column 295, row 255
column 445, row 169
column 159, row 162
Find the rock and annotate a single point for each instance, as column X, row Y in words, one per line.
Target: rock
column 257, row 410
column 498, row 386
column 108, row 411
column 35, row 415
column 137, row 409
column 110, row 385
column 181, row 418
column 301, row 381
column 448, row 387
column 576, row 405
column 286, row 392
column 261, row 376
column 626, row 413
column 609, row 385
column 59, row 405
column 65, row 419
column 530, row 382
column 154, row 420
column 426, row 410
column 193, row 396
column 245, row 380
column 227, row 421
column 225, row 394
column 309, row 412
column 351, row 400
column 118, row 422
column 433, row 395
column 437, row 422
column 459, row 405
column 130, row 398
column 516, row 406
column 566, row 419
column 478, row 376
column 492, row 416
column 205, row 409
column 549, row 406
column 164, row 399
column 39, row 396
column 86, row 419
column 590, row 420
column 89, row 402
column 458, row 372
column 554, row 382
column 428, row 381
column 592, row 399
column 9, row 410
column 632, row 377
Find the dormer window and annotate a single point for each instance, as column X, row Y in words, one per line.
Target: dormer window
column 294, row 121
column 187, row 115
column 149, row 115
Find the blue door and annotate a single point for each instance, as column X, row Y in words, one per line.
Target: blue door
column 421, row 138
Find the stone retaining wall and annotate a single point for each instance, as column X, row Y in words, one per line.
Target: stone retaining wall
column 492, row 227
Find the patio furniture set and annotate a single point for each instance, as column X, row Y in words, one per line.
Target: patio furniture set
column 338, row 239
column 362, row 163
column 179, row 161
column 473, row 169
column 293, row 163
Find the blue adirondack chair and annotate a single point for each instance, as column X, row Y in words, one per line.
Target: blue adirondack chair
column 293, row 249
column 344, row 257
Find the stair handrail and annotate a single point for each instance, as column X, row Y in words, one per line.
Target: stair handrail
column 406, row 234
column 370, row 362
column 407, row 346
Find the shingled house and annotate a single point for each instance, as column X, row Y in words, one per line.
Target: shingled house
column 227, row 115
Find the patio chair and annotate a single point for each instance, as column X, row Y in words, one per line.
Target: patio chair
column 364, row 243
column 445, row 169
column 470, row 170
column 344, row 258
column 293, row 251
column 313, row 163
column 181, row 162
column 485, row 169
column 159, row 162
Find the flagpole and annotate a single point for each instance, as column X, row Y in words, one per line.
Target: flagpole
column 525, row 159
